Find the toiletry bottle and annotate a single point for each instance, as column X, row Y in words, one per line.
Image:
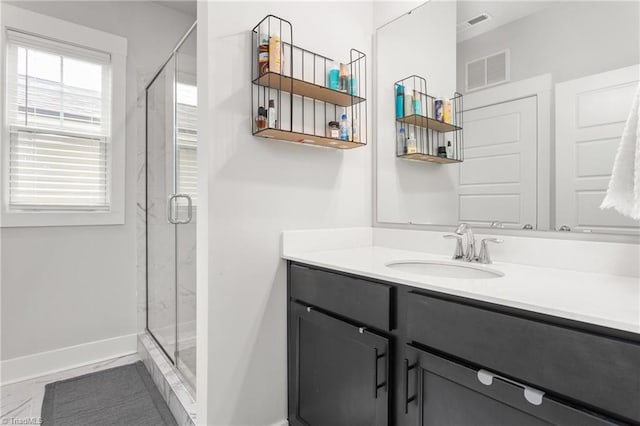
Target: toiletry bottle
column 449, row 150
column 408, row 105
column 417, row 103
column 275, row 54
column 353, row 86
column 263, row 54
column 334, row 129
column 261, row 119
column 402, row 141
column 334, row 77
column 355, row 131
column 344, row 128
column 344, row 78
column 271, row 114
column 438, row 106
column 399, row 101
column 447, row 111
column 411, row 144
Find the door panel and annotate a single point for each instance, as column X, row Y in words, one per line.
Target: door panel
column 338, row 372
column 498, row 176
column 450, row 393
column 590, row 117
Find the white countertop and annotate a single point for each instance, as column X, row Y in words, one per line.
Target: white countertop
column 601, row 299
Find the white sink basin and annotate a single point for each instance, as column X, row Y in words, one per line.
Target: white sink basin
column 445, row 269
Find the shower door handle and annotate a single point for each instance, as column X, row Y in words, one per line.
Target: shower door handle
column 170, row 214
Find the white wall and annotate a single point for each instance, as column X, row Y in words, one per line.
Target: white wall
column 64, row 286
column 386, row 11
column 567, row 39
column 408, row 191
column 256, row 189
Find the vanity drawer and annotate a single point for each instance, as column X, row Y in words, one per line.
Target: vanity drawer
column 598, row 371
column 363, row 301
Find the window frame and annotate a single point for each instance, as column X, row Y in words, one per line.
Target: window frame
column 17, row 19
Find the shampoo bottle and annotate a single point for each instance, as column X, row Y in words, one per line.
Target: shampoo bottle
column 402, row 141
column 417, row 103
column 449, row 150
column 263, row 54
column 275, row 54
column 399, row 101
column 408, row 105
column 355, row 131
column 447, row 111
column 334, row 77
column 344, row 78
column 271, row 114
column 344, row 128
column 411, row 144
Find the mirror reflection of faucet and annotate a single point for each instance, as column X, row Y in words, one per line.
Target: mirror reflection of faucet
column 468, row 254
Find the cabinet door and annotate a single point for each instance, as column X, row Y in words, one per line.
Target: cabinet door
column 338, row 372
column 441, row 392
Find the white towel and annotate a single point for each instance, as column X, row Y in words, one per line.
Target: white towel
column 623, row 193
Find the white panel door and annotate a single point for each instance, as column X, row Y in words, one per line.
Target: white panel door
column 498, row 175
column 590, row 116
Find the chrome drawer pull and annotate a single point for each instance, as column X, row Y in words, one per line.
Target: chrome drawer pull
column 532, row 395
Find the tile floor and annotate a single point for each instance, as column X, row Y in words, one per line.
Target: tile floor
column 23, row 400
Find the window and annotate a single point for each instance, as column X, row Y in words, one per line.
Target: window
column 58, row 116
column 187, row 139
column 63, row 127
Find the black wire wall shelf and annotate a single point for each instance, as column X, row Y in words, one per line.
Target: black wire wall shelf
column 315, row 100
column 427, row 128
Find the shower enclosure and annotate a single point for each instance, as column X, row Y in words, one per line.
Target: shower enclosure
column 172, row 204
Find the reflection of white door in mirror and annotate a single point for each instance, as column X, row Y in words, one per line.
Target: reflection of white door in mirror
column 590, row 115
column 498, row 177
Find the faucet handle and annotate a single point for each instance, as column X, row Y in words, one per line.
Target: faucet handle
column 484, row 256
column 459, row 253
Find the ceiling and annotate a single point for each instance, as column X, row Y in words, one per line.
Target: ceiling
column 188, row 7
column 501, row 12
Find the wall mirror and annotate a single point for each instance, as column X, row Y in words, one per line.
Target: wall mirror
column 546, row 89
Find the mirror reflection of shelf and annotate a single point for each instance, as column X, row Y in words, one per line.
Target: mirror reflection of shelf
column 429, row 158
column 428, row 129
column 429, row 123
column 303, row 97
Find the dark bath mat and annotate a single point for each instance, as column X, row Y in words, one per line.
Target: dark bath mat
column 118, row 396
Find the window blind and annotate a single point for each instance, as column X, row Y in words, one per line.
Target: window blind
column 57, row 171
column 187, row 139
column 58, row 113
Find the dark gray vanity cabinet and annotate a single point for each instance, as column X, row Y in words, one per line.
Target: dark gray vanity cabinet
column 366, row 352
column 449, row 393
column 339, row 372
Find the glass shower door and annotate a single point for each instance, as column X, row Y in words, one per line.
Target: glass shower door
column 172, row 208
column 161, row 233
column 186, row 150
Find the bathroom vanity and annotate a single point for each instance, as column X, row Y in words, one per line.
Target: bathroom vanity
column 431, row 351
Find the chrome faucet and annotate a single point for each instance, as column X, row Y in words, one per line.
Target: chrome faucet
column 463, row 231
column 470, row 252
column 484, row 256
column 467, row 254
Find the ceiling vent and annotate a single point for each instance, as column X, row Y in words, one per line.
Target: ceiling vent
column 473, row 21
column 488, row 71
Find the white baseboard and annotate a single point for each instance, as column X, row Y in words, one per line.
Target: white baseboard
column 281, row 423
column 43, row 363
